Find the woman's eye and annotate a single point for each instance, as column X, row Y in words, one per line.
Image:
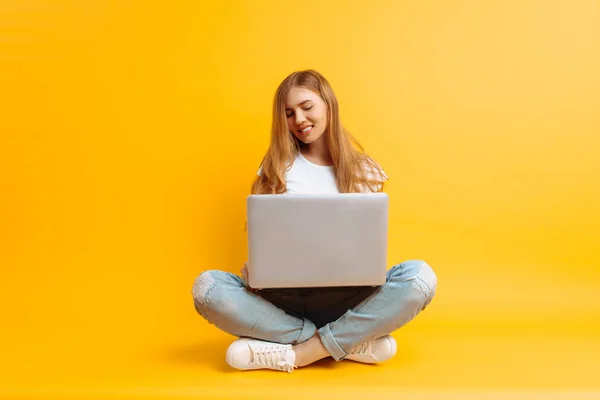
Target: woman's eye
column 291, row 114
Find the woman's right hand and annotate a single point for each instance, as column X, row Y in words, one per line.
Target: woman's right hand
column 244, row 272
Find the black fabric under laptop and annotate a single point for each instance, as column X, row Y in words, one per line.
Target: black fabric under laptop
column 319, row 305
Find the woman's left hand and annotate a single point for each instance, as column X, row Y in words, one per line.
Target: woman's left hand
column 244, row 272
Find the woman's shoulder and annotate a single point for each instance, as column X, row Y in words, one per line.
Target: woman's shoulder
column 373, row 170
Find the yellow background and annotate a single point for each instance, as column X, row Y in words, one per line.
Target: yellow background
column 130, row 132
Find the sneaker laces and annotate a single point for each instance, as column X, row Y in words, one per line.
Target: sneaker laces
column 274, row 357
column 362, row 349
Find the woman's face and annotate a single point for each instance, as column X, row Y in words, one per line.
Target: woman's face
column 306, row 114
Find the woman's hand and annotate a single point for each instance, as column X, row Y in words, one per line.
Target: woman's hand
column 244, row 272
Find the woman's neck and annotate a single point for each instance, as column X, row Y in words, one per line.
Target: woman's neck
column 317, row 152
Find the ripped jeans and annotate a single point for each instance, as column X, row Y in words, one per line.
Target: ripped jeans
column 224, row 300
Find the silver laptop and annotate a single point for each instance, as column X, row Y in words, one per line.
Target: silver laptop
column 317, row 240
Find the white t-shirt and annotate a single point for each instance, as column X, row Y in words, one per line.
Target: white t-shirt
column 305, row 177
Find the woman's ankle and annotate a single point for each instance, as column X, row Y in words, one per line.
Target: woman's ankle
column 310, row 351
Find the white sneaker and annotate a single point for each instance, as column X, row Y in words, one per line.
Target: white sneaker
column 373, row 351
column 247, row 353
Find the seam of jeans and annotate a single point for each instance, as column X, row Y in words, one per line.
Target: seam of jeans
column 306, row 325
column 329, row 342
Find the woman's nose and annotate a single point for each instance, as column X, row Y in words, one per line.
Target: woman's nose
column 300, row 118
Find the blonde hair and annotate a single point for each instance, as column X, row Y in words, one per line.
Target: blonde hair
column 354, row 171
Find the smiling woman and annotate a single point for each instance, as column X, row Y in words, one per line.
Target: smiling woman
column 308, row 119
column 281, row 329
column 307, row 132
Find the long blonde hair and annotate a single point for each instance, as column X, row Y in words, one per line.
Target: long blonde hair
column 354, row 170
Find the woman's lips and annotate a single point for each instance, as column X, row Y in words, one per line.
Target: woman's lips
column 306, row 132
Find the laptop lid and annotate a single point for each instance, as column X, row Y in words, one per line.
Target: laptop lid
column 317, row 240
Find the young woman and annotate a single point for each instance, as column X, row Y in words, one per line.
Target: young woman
column 311, row 152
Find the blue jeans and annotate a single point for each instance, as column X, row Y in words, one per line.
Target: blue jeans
column 224, row 300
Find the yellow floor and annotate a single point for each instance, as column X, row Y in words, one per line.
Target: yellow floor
column 493, row 331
